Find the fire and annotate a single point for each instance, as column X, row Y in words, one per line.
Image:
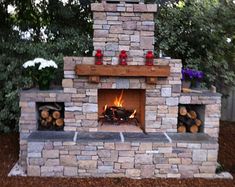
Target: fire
column 117, row 111
column 118, row 102
column 105, row 107
column 133, row 115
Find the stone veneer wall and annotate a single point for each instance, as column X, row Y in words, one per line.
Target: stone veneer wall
column 80, row 99
column 212, row 104
column 123, row 26
column 135, row 159
column 81, row 107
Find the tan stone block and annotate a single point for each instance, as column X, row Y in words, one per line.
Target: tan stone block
column 133, row 172
column 123, row 146
column 143, row 159
column 147, row 171
column 99, row 16
column 147, row 17
column 146, row 42
column 68, row 160
column 87, row 164
column 207, row 169
column 146, row 146
column 173, row 175
column 52, row 162
column 33, row 170
column 127, row 165
column 109, row 145
column 152, row 7
column 97, row 7
column 70, row 171
column 126, row 153
column 212, row 155
column 50, row 153
column 67, row 83
column 126, row 159
column 174, row 160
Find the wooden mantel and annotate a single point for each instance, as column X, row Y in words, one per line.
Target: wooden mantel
column 96, row 71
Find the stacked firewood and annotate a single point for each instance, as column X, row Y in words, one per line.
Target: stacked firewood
column 118, row 115
column 188, row 121
column 51, row 117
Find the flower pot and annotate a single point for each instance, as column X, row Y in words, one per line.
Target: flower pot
column 196, row 85
column 186, row 84
column 44, row 84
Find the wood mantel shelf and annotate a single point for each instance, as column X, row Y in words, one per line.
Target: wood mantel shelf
column 96, row 71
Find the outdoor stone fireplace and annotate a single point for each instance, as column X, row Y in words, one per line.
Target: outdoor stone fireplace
column 152, row 148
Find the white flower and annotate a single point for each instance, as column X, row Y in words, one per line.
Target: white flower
column 40, row 60
column 47, row 63
column 43, row 63
column 53, row 64
column 29, row 63
column 229, row 40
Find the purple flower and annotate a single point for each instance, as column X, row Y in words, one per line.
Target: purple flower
column 191, row 74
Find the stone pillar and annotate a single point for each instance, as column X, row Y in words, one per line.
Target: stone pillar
column 123, row 26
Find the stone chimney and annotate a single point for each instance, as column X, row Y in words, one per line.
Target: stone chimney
column 124, row 25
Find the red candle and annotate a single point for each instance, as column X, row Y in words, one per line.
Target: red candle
column 149, row 58
column 123, row 58
column 99, row 57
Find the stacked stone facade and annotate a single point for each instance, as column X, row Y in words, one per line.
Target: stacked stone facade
column 119, row 27
column 162, row 99
column 128, row 27
column 132, row 158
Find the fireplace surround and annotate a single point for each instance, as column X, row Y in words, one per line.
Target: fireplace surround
column 82, row 150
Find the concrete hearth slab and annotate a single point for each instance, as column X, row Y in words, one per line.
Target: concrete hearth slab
column 51, row 135
column 192, row 138
column 149, row 137
column 98, row 137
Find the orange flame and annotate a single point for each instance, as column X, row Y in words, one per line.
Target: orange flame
column 105, row 107
column 118, row 102
column 133, row 114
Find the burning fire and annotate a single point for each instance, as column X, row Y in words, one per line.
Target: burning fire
column 132, row 115
column 118, row 102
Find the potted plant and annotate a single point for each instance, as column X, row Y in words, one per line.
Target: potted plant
column 41, row 71
column 191, row 78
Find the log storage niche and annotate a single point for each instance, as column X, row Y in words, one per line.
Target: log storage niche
column 190, row 118
column 50, row 116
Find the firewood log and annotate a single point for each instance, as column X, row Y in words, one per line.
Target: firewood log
column 44, row 114
column 198, row 122
column 59, row 122
column 183, row 111
column 193, row 114
column 56, row 114
column 43, row 122
column 194, row 129
column 181, row 129
column 49, row 119
column 186, row 121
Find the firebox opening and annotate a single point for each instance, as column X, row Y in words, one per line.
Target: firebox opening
column 50, row 116
column 121, row 110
